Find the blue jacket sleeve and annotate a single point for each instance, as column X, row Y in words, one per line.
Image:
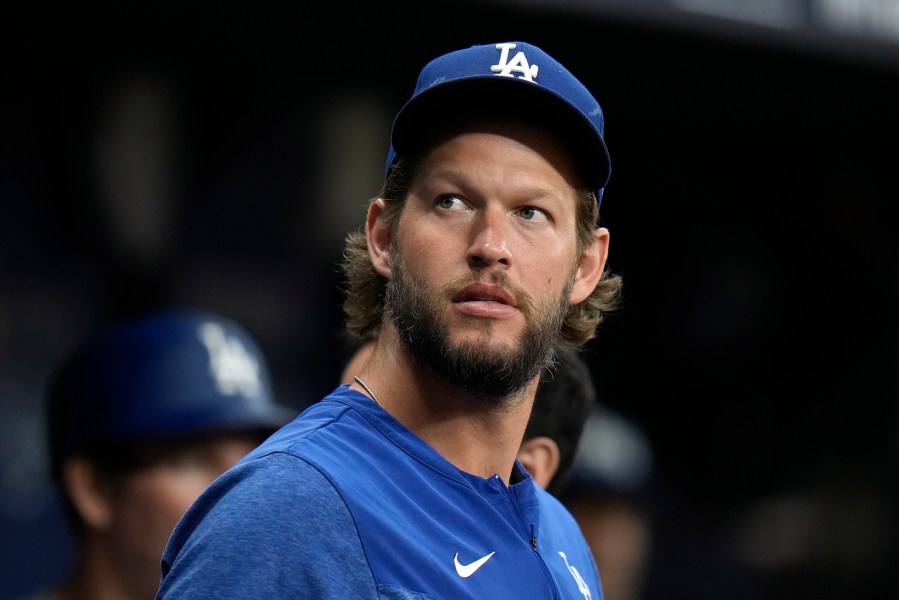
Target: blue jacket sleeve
column 273, row 527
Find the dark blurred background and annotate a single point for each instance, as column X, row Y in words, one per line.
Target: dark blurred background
column 215, row 156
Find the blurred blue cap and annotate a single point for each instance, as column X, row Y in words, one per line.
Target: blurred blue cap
column 169, row 374
column 509, row 76
column 614, row 457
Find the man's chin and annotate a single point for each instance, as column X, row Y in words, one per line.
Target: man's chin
column 488, row 347
column 482, row 333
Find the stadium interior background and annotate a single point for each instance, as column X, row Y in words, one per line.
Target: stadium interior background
column 215, row 157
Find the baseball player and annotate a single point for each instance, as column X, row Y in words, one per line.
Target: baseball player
column 482, row 252
column 141, row 419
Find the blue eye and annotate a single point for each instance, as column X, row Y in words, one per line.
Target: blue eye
column 450, row 203
column 529, row 213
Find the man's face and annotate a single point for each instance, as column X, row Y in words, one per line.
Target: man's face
column 484, row 257
column 153, row 498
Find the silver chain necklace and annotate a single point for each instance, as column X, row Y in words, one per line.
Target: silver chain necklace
column 368, row 389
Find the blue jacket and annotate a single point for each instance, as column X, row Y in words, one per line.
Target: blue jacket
column 345, row 502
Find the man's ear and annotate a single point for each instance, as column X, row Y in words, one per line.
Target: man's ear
column 377, row 235
column 88, row 491
column 590, row 267
column 540, row 456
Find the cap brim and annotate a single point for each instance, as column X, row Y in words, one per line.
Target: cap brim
column 208, row 420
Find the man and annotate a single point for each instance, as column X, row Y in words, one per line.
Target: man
column 141, row 419
column 481, row 253
column 564, row 400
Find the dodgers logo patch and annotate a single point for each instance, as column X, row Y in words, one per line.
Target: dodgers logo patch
column 517, row 65
column 581, row 584
column 232, row 366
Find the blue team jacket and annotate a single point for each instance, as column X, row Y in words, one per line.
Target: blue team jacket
column 346, row 502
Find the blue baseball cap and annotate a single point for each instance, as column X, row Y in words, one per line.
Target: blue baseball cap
column 165, row 375
column 614, row 457
column 500, row 78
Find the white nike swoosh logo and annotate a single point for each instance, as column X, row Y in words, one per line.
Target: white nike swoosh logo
column 469, row 569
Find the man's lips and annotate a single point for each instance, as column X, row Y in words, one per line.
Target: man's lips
column 484, row 292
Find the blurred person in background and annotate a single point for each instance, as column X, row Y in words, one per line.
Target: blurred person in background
column 608, row 492
column 141, row 419
column 564, row 400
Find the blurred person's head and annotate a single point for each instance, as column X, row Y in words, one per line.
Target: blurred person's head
column 141, row 419
column 564, row 399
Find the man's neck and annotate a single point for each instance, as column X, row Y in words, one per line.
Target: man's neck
column 477, row 436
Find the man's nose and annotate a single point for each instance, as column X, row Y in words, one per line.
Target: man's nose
column 490, row 239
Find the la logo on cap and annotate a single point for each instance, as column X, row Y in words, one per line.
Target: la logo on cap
column 234, row 369
column 518, row 64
